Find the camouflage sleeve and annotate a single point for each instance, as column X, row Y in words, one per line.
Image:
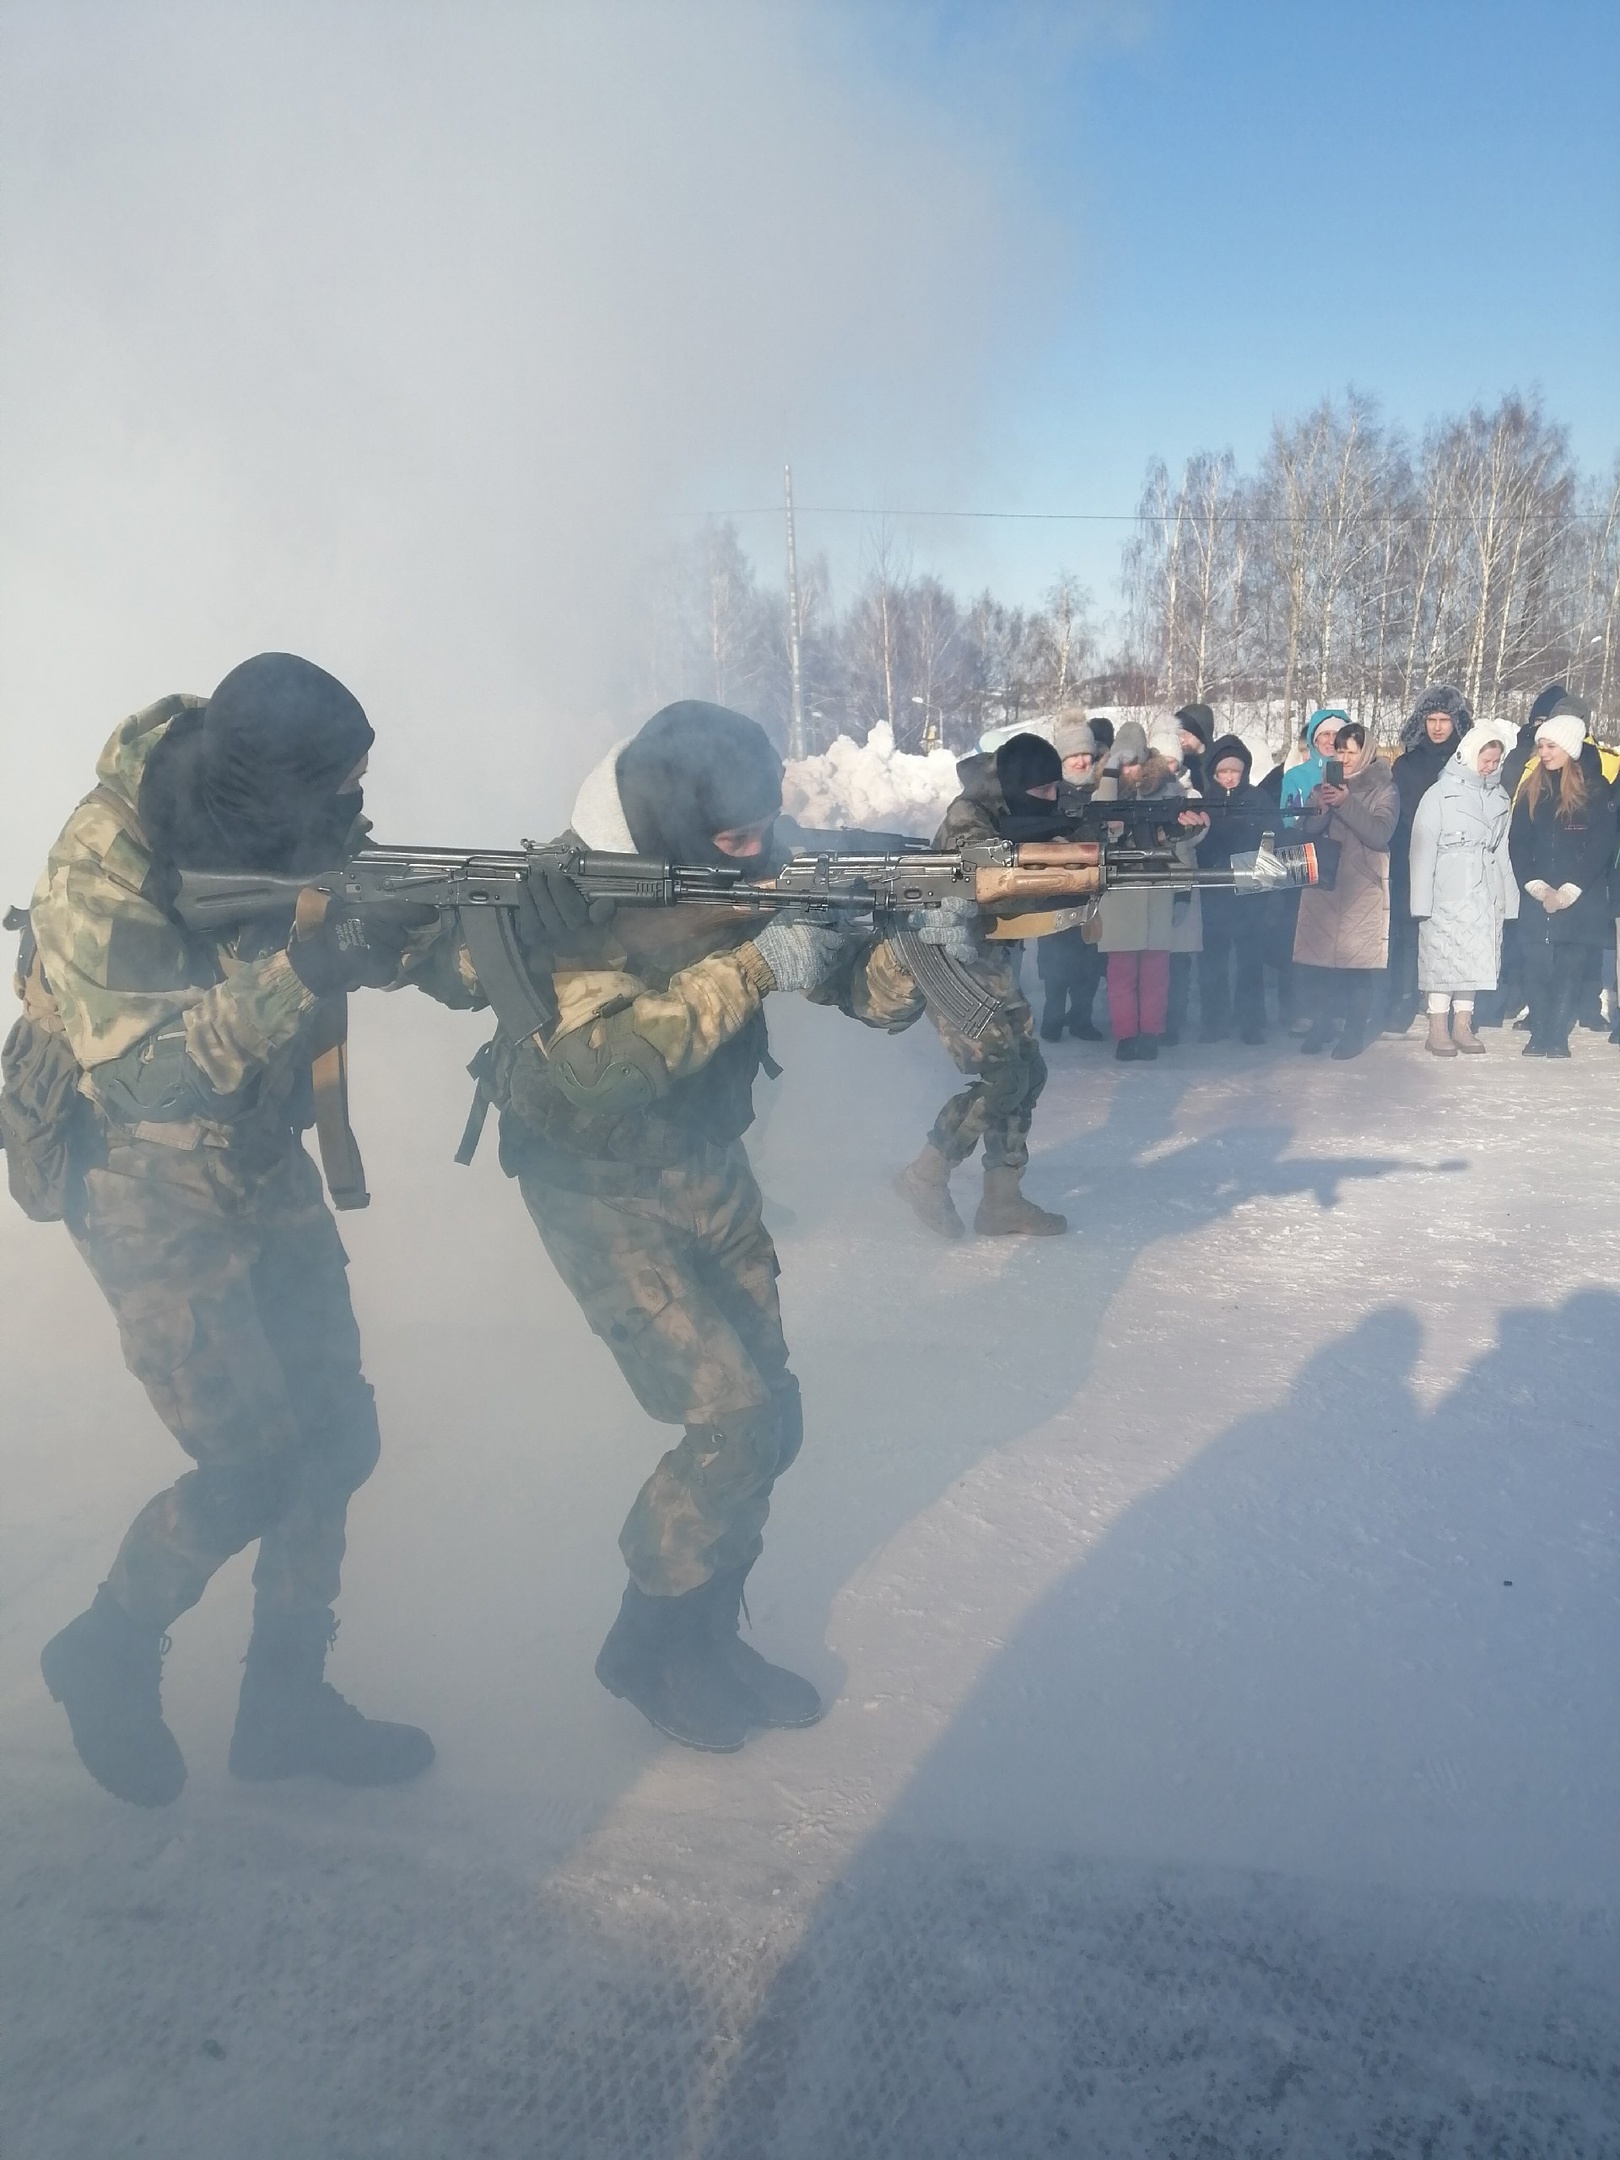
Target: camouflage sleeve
column 120, row 969
column 963, row 821
column 705, row 1005
column 874, row 987
column 437, row 963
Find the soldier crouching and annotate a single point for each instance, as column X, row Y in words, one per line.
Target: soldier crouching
column 625, row 1137
column 202, row 1217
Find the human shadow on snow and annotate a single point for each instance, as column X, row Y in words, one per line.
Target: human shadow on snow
column 1355, row 1640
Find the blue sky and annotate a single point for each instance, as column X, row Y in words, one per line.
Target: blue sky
column 1244, row 206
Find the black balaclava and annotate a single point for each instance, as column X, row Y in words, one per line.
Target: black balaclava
column 1024, row 762
column 250, row 781
column 693, row 771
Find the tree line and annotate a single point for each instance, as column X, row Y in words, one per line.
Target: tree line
column 1352, row 566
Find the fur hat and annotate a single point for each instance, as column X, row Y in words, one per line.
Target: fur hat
column 1566, row 729
column 1441, row 698
column 1073, row 736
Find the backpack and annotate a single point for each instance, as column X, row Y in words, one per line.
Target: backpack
column 50, row 1133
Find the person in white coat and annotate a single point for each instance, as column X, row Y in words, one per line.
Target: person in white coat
column 1463, row 888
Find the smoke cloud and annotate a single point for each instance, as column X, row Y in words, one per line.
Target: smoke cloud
column 391, row 334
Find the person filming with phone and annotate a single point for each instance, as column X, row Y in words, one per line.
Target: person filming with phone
column 1341, row 940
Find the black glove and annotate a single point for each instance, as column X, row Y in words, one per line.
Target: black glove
column 564, row 911
column 345, row 952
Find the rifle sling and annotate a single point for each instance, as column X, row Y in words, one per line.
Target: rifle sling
column 329, row 1071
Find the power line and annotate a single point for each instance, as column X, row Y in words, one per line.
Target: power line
column 1144, row 517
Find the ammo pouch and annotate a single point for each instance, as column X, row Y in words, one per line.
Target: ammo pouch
column 50, row 1132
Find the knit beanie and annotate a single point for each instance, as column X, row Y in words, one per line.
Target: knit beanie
column 1073, row 736
column 1165, row 737
column 1103, row 728
column 1130, row 744
column 1566, row 729
column 1546, row 701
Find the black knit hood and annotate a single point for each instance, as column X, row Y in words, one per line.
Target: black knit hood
column 250, row 780
column 693, row 771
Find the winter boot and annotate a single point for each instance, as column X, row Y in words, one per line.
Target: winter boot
column 1352, row 1041
column 291, row 1720
column 1005, row 1211
column 1438, row 1041
column 106, row 1670
column 1317, row 1037
column 926, row 1185
column 1083, row 1031
column 661, row 1655
column 1052, row 1018
column 1462, row 1034
column 1128, row 1049
column 783, row 1697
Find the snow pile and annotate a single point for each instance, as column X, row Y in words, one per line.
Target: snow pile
column 871, row 784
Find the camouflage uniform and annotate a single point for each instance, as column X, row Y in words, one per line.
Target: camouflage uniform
column 205, row 1223
column 652, row 1215
column 1007, row 1069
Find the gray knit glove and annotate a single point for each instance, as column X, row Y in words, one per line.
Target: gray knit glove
column 800, row 955
column 952, row 926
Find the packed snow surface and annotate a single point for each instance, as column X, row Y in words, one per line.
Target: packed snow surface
column 1217, row 1606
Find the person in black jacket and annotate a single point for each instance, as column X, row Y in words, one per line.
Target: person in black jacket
column 1507, row 1001
column 1561, row 843
column 1429, row 739
column 1233, row 928
column 1197, row 726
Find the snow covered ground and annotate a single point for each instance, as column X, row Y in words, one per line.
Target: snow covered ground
column 1220, row 1605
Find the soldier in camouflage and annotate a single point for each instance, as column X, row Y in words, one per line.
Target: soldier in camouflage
column 1011, row 794
column 202, row 1217
column 624, row 1132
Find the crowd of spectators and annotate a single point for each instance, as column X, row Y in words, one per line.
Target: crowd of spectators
column 1470, row 876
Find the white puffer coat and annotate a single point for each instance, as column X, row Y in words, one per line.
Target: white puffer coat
column 1462, row 883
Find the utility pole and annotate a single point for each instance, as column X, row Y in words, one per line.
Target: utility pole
column 796, row 743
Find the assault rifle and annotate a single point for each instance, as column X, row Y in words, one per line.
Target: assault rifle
column 489, row 894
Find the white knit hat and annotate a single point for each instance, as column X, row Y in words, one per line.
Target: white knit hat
column 1565, row 730
column 1165, row 737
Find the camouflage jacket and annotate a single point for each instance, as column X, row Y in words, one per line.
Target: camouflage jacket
column 677, row 992
column 168, row 1025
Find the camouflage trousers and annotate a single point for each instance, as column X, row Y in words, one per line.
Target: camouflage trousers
column 231, row 1292
column 676, row 1272
column 1007, row 1075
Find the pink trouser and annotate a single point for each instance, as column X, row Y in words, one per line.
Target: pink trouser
column 1138, row 992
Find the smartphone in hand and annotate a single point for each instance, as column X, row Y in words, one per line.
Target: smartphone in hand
column 1333, row 772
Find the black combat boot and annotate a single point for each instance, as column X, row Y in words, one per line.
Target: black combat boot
column 661, row 1655
column 106, row 1670
column 290, row 1719
column 784, row 1698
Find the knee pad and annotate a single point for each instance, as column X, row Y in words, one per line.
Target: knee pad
column 237, row 1502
